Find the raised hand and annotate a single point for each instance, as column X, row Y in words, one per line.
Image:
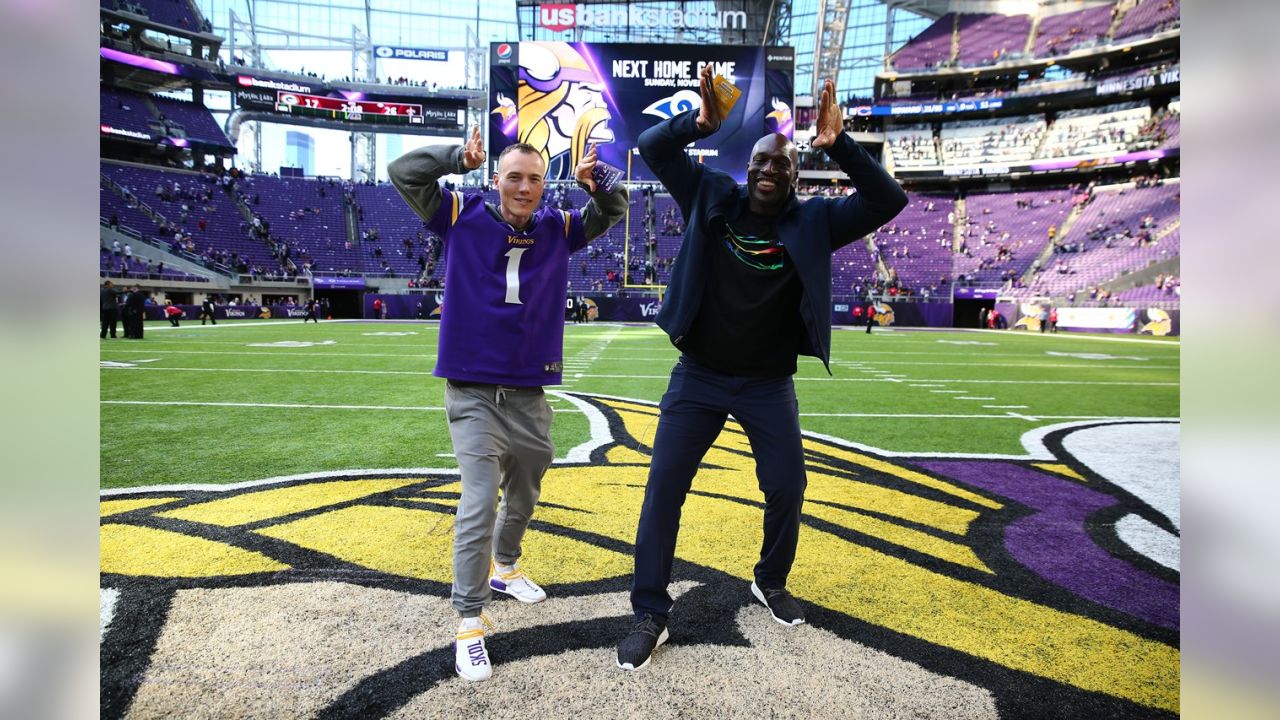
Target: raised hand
column 830, row 118
column 709, row 114
column 473, row 153
column 582, row 173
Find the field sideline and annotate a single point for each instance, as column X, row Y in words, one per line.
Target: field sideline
column 246, row 400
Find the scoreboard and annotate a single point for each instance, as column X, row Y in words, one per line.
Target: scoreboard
column 344, row 109
column 340, row 104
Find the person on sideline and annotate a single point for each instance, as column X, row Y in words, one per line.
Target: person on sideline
column 751, row 290
column 501, row 340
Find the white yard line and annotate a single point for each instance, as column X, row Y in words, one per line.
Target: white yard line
column 294, row 406
column 317, row 354
column 651, row 377
column 603, row 430
column 1006, row 416
column 1071, row 336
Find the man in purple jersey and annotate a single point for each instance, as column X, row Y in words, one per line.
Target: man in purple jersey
column 750, row 291
column 501, row 340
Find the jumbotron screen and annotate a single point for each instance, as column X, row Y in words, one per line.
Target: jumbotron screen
column 562, row 97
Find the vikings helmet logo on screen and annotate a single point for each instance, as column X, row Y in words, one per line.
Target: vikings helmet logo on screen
column 561, row 105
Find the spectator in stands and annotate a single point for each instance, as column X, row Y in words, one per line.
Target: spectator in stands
column 741, row 245
column 499, row 344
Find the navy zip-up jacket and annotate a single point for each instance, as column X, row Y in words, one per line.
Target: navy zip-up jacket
column 810, row 231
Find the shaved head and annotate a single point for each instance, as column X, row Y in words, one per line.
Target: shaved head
column 771, row 173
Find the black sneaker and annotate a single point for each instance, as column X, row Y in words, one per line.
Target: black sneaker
column 637, row 648
column 782, row 606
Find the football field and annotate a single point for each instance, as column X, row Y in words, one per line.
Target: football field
column 242, row 401
column 991, row 530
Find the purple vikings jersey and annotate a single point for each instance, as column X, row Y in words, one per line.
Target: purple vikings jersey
column 502, row 319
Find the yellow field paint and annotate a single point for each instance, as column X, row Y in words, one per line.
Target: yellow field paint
column 621, row 455
column 434, row 501
column 889, row 468
column 608, row 498
column 640, row 426
column 811, row 466
column 419, row 544
column 623, row 406
column 1016, row 633
column 1061, row 469
column 880, row 589
column 277, row 502
column 107, row 508
column 398, row 541
column 894, row 503
column 140, row 551
column 901, row 536
column 643, row 425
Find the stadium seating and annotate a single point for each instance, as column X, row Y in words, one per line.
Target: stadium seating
column 1105, row 250
column 289, row 207
column 385, row 211
column 1006, row 232
column 1094, row 131
column 112, row 266
column 984, row 39
column 124, row 110
column 930, row 48
column 982, row 142
column 1148, row 17
column 1058, row 34
column 174, row 13
column 912, row 146
column 917, row 244
column 195, row 119
column 1170, row 291
column 225, row 231
column 141, row 112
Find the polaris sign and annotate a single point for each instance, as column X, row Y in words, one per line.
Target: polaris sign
column 387, row 52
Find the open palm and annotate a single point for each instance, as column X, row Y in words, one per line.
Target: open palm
column 473, row 154
column 830, row 119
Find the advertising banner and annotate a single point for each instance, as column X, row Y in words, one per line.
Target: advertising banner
column 563, row 97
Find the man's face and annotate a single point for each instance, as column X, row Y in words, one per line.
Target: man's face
column 520, row 184
column 772, row 171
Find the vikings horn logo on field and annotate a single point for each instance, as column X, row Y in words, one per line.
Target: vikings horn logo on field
column 1041, row 585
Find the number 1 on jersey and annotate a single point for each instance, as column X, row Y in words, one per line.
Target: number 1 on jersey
column 513, row 275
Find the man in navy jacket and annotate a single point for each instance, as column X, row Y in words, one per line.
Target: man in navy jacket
column 750, row 291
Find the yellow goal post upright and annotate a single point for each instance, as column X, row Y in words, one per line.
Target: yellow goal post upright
column 626, row 246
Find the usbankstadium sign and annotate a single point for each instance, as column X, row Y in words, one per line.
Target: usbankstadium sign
column 568, row 16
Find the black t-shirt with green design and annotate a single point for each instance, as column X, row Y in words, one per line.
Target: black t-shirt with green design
column 748, row 323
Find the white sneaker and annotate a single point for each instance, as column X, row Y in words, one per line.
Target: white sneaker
column 512, row 581
column 470, row 657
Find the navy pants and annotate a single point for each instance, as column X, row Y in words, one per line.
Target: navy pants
column 694, row 409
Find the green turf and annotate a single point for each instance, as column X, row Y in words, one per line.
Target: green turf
column 868, row 398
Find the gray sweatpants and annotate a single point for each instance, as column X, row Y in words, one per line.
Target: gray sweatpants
column 502, row 440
